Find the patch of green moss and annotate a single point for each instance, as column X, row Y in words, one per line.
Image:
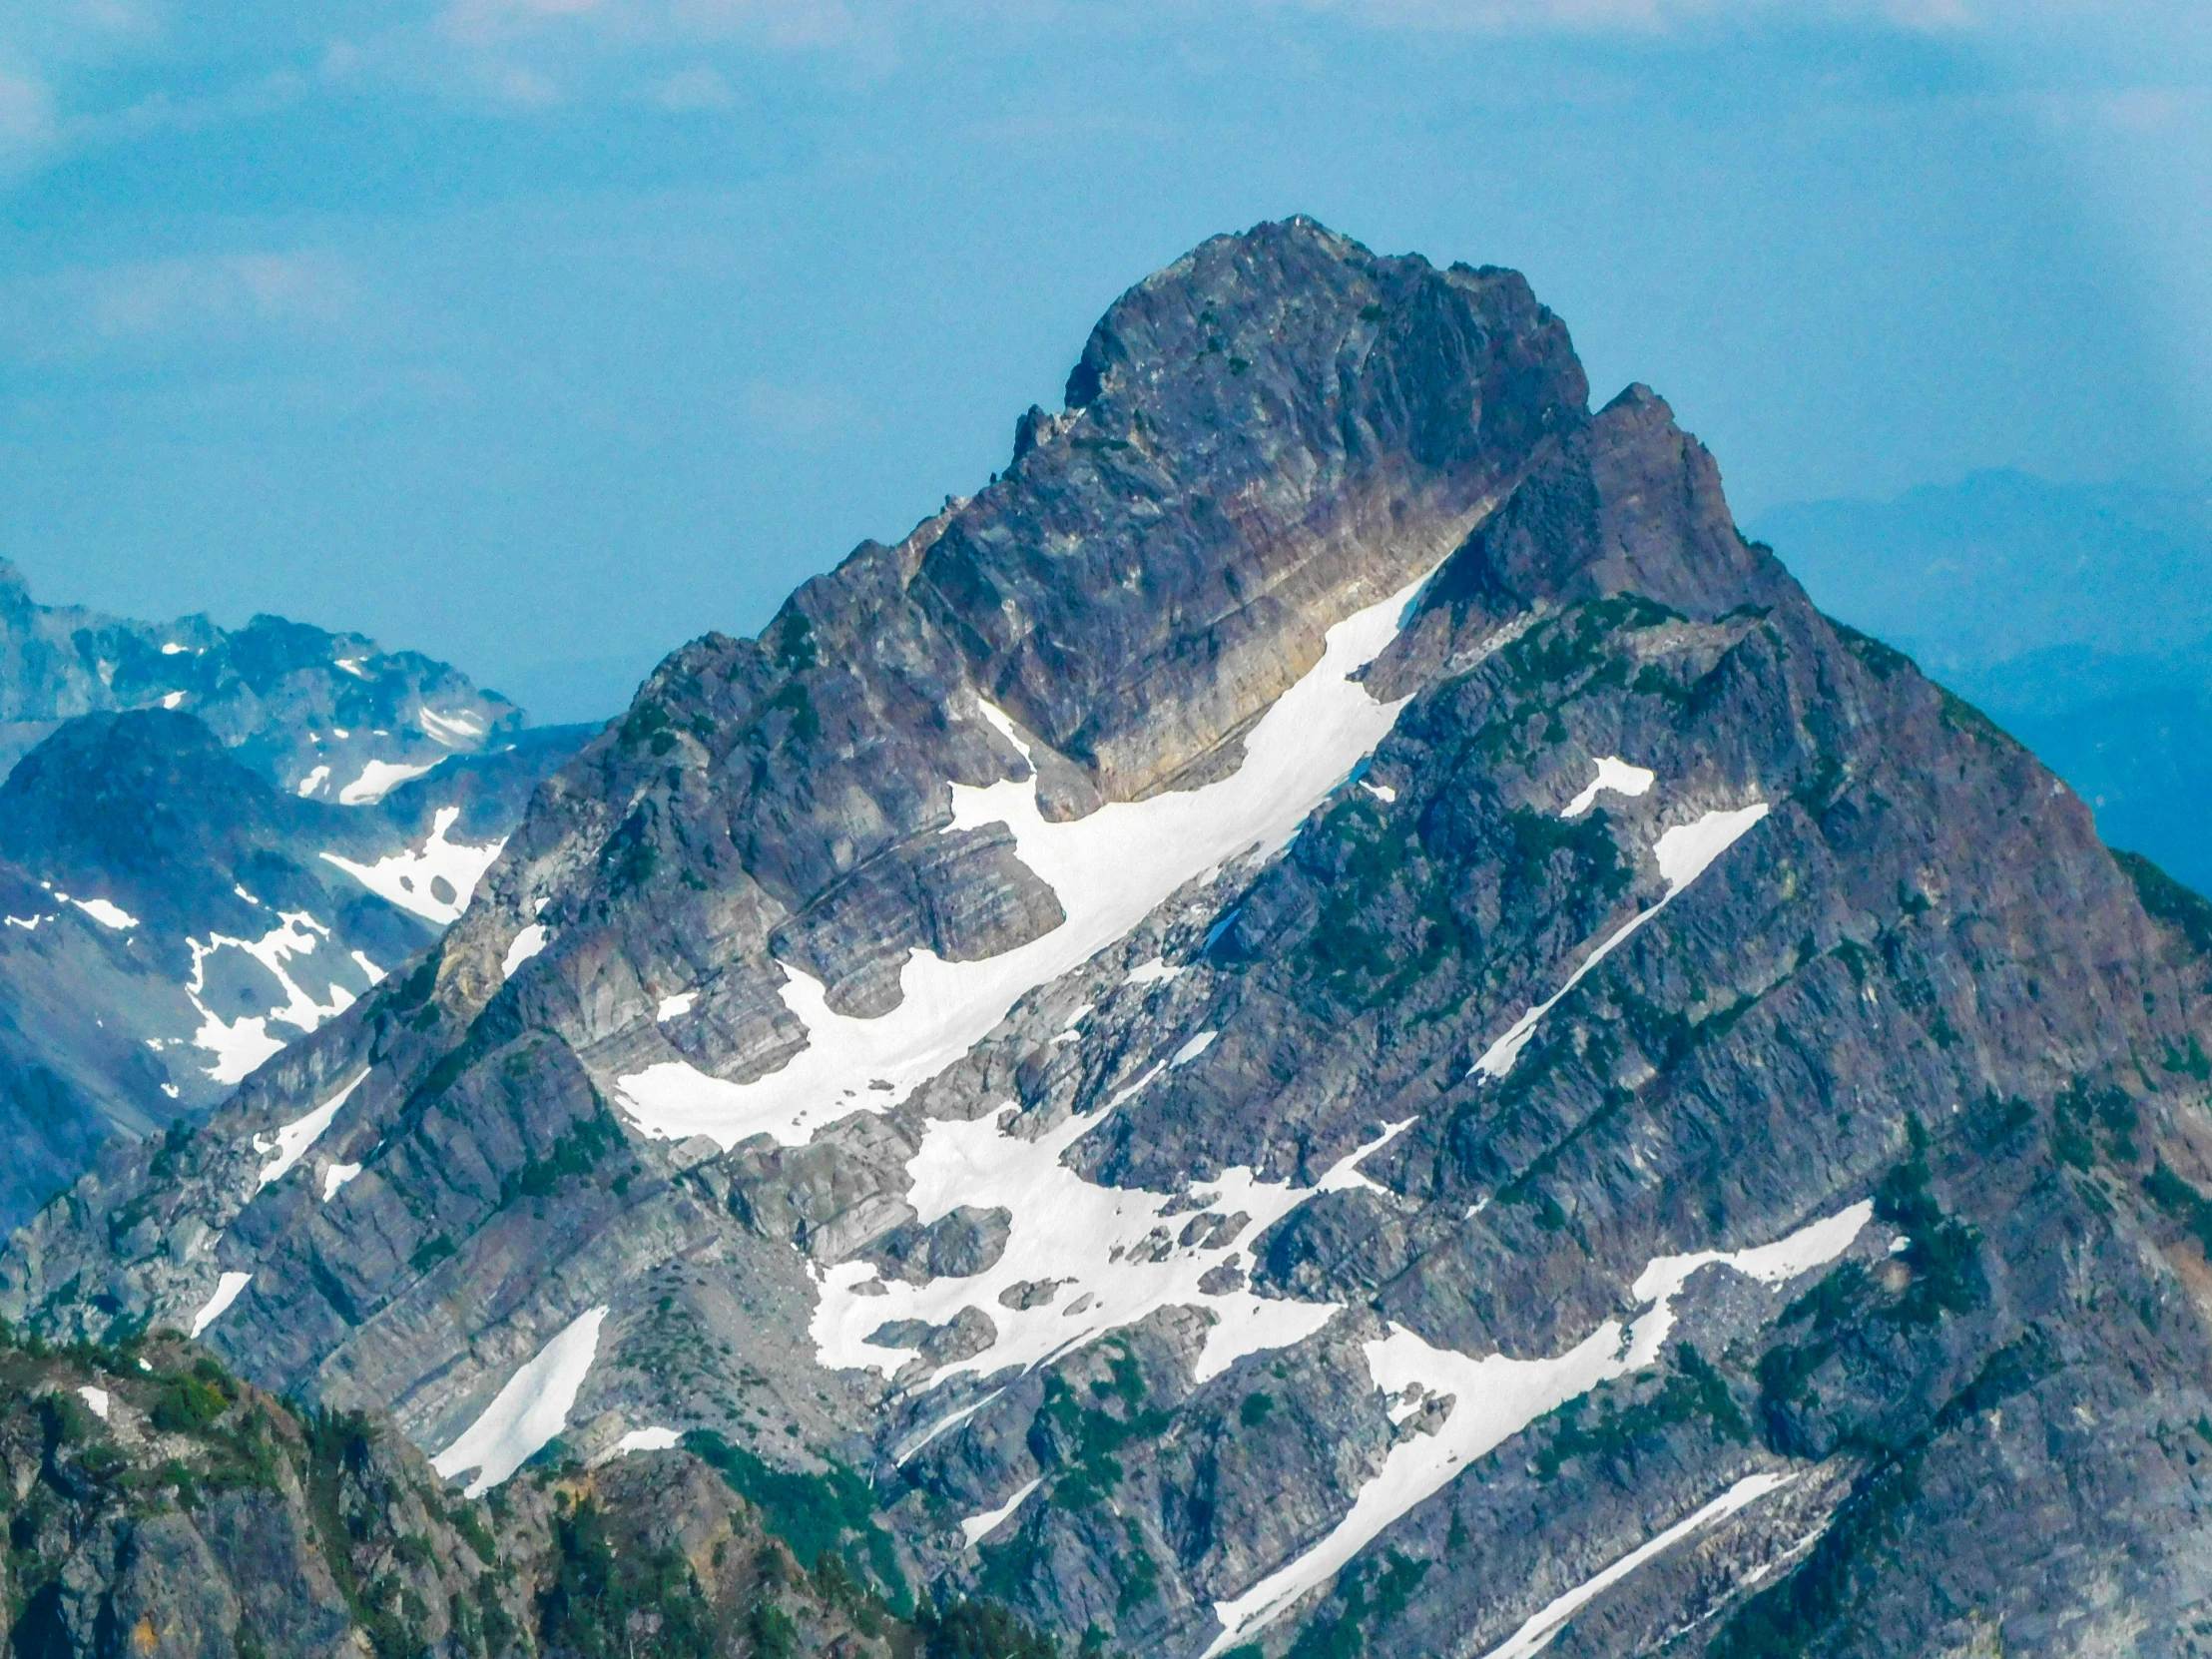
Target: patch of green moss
column 2182, row 908
column 576, row 1153
column 1082, row 1442
column 1944, row 1254
column 1610, row 1435
column 794, row 649
column 832, row 1513
column 429, row 1253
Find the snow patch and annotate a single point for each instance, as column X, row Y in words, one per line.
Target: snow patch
column 1117, row 1255
column 1109, row 870
column 1613, row 774
column 1537, row 1633
column 648, row 1439
column 313, row 781
column 408, row 878
column 293, row 1139
column 225, row 1292
column 525, row 945
column 1382, row 791
column 978, row 1527
column 105, row 913
column 335, row 1177
column 1684, row 853
column 1194, row 1048
column 457, row 730
column 242, row 1044
column 528, row 1411
column 172, row 700
column 172, row 649
column 378, row 780
column 1154, row 972
column 1495, row 1397
column 97, row 1399
column 676, row 1007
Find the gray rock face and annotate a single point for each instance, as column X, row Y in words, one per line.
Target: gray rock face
column 1692, row 1145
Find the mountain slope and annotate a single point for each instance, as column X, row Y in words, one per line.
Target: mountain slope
column 156, row 1500
column 1331, row 1019
column 2076, row 615
column 172, row 919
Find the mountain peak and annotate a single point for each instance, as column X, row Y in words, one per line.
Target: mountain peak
column 1328, row 1004
column 1241, row 427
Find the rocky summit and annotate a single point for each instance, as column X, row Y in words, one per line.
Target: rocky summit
column 1329, row 1020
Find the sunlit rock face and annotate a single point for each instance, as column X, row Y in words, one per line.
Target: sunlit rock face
column 1328, row 1019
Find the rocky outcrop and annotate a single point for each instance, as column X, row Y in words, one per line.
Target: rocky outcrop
column 1688, row 1142
column 156, row 1506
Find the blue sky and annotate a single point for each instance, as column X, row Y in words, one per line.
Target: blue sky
column 544, row 334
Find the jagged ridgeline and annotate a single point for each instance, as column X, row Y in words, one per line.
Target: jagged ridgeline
column 1329, row 1020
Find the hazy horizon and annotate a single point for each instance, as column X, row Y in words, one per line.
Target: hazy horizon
column 542, row 337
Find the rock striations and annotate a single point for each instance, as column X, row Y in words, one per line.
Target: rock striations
column 1329, row 1020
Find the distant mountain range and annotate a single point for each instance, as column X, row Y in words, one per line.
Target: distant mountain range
column 2080, row 617
column 210, row 843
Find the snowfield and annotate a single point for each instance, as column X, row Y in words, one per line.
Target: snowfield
column 242, row 1044
column 528, row 1411
column 1109, row 1254
column 1109, row 870
column 378, row 780
column 410, row 879
column 1613, row 774
column 225, row 1292
column 295, row 1137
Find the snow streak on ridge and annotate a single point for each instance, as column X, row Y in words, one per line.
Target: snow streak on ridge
column 1684, row 853
column 1495, row 1397
column 528, row 1411
column 1535, row 1634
